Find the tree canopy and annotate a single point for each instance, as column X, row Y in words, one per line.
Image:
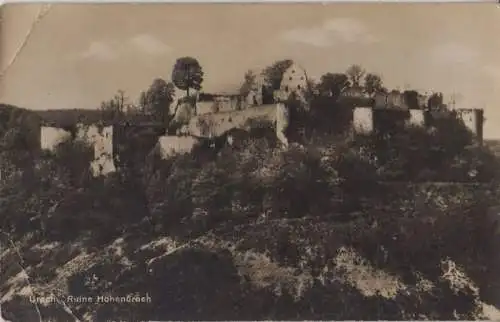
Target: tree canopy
column 157, row 98
column 273, row 74
column 187, row 74
column 355, row 73
column 373, row 83
column 116, row 107
column 333, row 84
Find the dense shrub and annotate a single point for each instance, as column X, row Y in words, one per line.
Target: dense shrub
column 390, row 121
column 133, row 142
column 23, row 123
column 300, row 207
column 330, row 116
column 169, row 191
column 445, row 151
column 293, row 178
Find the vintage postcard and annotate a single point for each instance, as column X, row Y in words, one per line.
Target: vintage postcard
column 167, row 162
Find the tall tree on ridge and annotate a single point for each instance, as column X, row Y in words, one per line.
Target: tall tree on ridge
column 187, row 74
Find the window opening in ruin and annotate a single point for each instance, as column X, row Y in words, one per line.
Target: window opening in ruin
column 286, row 88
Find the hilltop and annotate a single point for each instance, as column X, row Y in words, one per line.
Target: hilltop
column 339, row 229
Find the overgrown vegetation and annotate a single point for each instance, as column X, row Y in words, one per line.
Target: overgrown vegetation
column 344, row 228
column 391, row 225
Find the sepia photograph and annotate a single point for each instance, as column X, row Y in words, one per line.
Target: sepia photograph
column 249, row 161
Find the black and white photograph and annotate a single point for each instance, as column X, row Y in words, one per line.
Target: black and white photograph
column 251, row 161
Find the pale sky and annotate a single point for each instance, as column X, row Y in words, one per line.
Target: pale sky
column 80, row 54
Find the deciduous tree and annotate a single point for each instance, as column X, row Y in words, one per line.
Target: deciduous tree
column 274, row 74
column 115, row 108
column 373, row 83
column 333, row 84
column 355, row 73
column 157, row 99
column 248, row 83
column 187, row 74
